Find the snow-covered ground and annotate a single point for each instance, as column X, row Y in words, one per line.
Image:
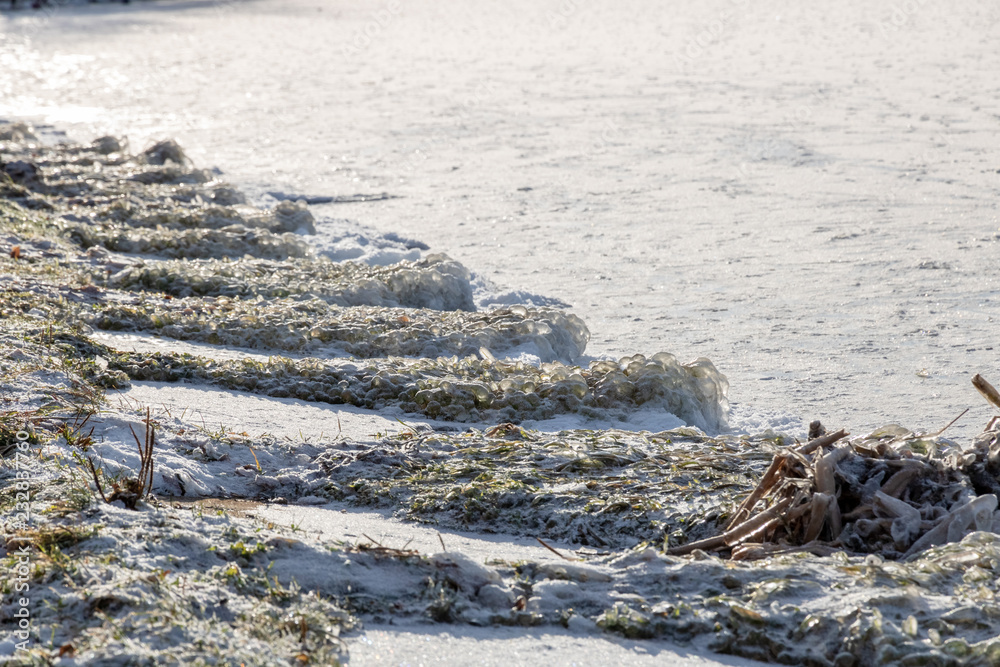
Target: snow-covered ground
column 503, row 647
column 805, row 195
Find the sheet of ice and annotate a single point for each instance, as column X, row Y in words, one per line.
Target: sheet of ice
column 145, row 342
column 337, row 521
column 502, row 647
column 281, row 417
column 646, row 419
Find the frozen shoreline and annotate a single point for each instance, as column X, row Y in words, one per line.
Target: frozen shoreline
column 298, row 576
column 215, row 443
column 827, row 260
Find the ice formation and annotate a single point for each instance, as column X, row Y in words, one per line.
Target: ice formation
column 169, row 249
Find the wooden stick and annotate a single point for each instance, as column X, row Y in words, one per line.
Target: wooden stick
column 825, row 465
column 822, row 441
column 757, row 529
column 740, row 533
column 750, row 527
column 152, row 445
column 97, row 482
column 948, row 425
column 708, row 544
column 988, row 391
column 753, row 551
column 820, row 507
column 766, row 482
column 540, row 541
column 896, row 484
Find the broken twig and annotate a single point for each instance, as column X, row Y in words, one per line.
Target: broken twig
column 948, row 425
column 542, row 542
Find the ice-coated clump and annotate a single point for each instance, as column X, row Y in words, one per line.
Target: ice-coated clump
column 695, row 392
column 107, row 145
column 463, row 390
column 286, row 217
column 163, row 152
column 435, row 282
column 173, row 176
column 233, row 242
column 360, row 331
column 292, row 216
column 558, row 335
column 446, row 287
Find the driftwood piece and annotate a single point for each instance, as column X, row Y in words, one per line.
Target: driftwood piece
column 820, row 508
column 773, row 472
column 741, row 533
column 953, row 526
column 766, row 482
column 823, row 441
column 824, row 467
column 901, row 479
column 757, row 524
column 988, row 391
column 906, row 524
column 757, row 550
column 873, row 495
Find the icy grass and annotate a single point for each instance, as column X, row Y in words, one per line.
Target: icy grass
column 189, row 586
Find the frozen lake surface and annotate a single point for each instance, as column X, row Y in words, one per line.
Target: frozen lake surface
column 807, row 196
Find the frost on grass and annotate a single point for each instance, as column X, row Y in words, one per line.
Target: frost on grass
column 606, row 489
column 315, row 326
column 435, row 282
column 171, row 586
column 184, row 583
